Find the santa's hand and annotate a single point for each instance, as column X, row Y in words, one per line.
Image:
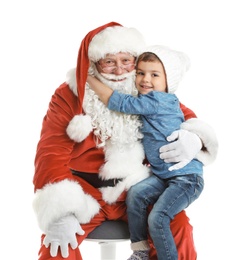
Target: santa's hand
column 62, row 233
column 184, row 147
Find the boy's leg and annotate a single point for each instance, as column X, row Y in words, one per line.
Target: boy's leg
column 179, row 194
column 182, row 232
column 139, row 197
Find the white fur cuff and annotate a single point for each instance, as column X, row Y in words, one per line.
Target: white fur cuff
column 60, row 199
column 207, row 136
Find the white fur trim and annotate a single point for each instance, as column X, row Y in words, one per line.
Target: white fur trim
column 207, row 136
column 116, row 39
column 111, row 194
column 79, row 127
column 60, row 199
column 125, row 162
column 121, row 161
column 72, row 81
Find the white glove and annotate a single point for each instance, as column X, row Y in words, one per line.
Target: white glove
column 62, row 233
column 185, row 147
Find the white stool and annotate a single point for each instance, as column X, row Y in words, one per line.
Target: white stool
column 107, row 234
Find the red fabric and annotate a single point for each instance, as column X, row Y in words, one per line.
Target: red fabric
column 188, row 113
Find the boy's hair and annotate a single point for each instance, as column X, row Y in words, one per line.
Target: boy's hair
column 148, row 57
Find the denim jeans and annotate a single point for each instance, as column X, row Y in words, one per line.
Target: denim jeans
column 168, row 197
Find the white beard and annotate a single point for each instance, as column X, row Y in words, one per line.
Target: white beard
column 119, row 135
column 119, row 128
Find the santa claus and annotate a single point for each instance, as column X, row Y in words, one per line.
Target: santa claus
column 88, row 156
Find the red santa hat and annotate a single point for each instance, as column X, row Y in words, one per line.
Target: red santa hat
column 110, row 38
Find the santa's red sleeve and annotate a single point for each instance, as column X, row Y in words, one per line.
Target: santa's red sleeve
column 56, row 192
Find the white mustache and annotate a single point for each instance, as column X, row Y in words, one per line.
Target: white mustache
column 118, row 77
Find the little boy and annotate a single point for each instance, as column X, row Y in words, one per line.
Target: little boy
column 169, row 189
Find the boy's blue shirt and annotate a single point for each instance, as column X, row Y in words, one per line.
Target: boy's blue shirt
column 161, row 115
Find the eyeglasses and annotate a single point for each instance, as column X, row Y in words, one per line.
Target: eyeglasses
column 109, row 66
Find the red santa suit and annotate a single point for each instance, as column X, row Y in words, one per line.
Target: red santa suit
column 73, row 150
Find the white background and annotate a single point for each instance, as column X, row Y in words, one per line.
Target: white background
column 39, row 44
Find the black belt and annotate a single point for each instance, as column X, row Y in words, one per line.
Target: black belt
column 94, row 180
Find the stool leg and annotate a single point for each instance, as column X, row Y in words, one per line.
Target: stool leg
column 108, row 250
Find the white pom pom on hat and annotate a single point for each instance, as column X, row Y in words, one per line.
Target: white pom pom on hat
column 116, row 39
column 175, row 63
column 79, row 127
